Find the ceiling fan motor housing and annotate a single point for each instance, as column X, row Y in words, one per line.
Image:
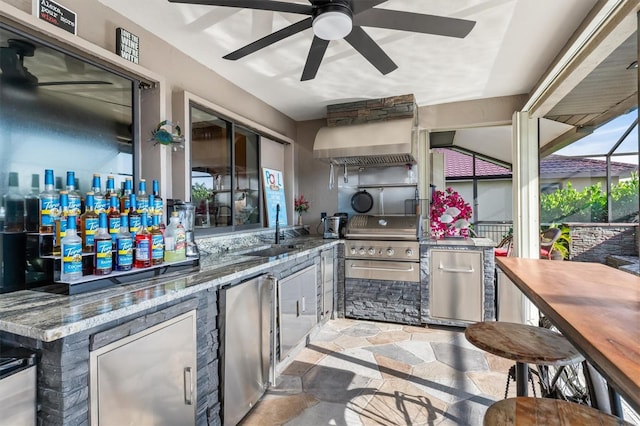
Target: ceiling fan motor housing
column 332, row 20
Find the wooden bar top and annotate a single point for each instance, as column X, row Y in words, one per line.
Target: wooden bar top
column 595, row 306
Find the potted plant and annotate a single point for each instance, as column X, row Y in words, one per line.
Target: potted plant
column 560, row 248
column 301, row 206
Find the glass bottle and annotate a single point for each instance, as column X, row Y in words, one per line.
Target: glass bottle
column 49, row 203
column 110, row 191
column 75, row 204
column 101, row 204
column 158, row 206
column 127, row 190
column 32, row 204
column 151, row 211
column 113, row 219
column 102, row 262
column 143, row 200
column 71, row 248
column 14, row 206
column 157, row 241
column 60, row 222
column 143, row 245
column 89, row 223
column 124, row 246
column 175, row 240
column 135, row 218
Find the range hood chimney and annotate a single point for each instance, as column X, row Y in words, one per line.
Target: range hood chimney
column 383, row 143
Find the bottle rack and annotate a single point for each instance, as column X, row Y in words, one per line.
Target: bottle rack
column 43, row 243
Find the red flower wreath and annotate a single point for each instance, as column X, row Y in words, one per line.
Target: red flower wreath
column 450, row 214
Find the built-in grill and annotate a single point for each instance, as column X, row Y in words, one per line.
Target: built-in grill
column 382, row 268
column 391, row 227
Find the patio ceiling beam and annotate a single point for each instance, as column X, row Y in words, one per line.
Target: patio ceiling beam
column 608, row 25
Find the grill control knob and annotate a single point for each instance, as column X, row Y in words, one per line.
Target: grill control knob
column 409, row 252
column 361, row 251
column 371, row 251
column 353, row 250
column 390, row 251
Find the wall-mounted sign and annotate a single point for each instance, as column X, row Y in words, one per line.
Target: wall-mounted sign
column 274, row 196
column 56, row 14
column 127, row 45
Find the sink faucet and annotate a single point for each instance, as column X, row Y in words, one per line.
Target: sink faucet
column 277, row 223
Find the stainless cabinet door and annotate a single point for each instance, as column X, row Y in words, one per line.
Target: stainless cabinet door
column 245, row 346
column 148, row 378
column 297, row 307
column 456, row 285
column 326, row 264
column 18, row 398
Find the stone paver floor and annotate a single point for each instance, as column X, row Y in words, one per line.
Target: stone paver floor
column 369, row 373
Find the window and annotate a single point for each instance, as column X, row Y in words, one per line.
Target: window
column 598, row 175
column 60, row 112
column 225, row 172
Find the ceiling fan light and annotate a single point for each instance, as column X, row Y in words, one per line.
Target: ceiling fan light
column 332, row 25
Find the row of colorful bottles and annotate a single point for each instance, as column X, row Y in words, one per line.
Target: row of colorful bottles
column 141, row 248
column 37, row 211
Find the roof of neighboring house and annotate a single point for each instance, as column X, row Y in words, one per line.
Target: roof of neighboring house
column 460, row 165
column 561, row 166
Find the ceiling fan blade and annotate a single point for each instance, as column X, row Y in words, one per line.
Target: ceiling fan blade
column 63, row 83
column 316, row 53
column 276, row 6
column 270, row 39
column 415, row 22
column 362, row 5
column 368, row 48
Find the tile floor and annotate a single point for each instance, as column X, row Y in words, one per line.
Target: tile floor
column 370, row 373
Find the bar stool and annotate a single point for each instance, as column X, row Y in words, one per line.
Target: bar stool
column 546, row 412
column 524, row 344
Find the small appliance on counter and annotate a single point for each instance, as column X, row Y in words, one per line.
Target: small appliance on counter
column 186, row 212
column 331, row 227
column 335, row 226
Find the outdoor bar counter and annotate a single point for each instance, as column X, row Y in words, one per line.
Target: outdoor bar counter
column 595, row 306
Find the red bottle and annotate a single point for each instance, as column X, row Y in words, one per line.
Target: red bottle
column 143, row 245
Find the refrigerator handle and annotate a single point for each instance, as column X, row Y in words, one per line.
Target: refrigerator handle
column 188, row 386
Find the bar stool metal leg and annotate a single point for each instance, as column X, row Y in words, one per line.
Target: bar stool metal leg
column 522, row 379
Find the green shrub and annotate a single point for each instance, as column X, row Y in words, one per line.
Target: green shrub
column 590, row 204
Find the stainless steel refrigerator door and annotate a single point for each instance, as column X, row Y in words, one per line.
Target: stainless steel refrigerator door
column 456, row 285
column 148, row 378
column 18, row 398
column 246, row 343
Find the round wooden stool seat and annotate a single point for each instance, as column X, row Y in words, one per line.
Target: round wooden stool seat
column 523, row 343
column 546, row 412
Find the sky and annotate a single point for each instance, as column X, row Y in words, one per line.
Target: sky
column 604, row 137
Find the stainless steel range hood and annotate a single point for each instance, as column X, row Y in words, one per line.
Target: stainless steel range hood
column 384, row 143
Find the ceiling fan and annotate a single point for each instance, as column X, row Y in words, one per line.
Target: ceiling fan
column 14, row 72
column 342, row 19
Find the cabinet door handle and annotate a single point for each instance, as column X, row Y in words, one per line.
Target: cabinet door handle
column 445, row 269
column 188, row 386
column 387, row 269
column 297, row 308
column 304, row 305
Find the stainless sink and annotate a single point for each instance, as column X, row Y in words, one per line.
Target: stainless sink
column 274, row 250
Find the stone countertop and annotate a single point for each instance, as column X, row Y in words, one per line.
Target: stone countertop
column 468, row 242
column 48, row 317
